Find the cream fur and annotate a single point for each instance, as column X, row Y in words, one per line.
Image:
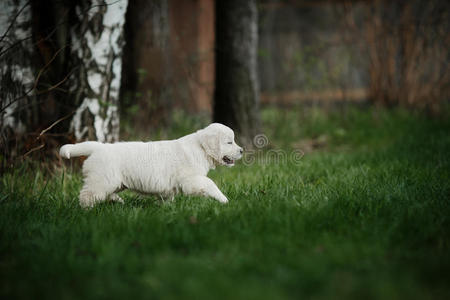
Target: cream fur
column 163, row 167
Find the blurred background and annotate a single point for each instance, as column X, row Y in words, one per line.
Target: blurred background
column 119, row 70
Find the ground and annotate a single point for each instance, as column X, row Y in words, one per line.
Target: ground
column 365, row 213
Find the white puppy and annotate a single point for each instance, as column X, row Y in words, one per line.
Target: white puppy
column 163, row 167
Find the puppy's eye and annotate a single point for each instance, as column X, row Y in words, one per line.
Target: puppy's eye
column 230, row 143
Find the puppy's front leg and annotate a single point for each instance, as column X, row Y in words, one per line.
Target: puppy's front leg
column 116, row 198
column 202, row 186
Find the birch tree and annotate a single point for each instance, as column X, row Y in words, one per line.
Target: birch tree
column 97, row 46
column 60, row 63
column 16, row 73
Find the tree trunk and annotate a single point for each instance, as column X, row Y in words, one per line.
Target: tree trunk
column 237, row 91
column 97, row 46
column 146, row 90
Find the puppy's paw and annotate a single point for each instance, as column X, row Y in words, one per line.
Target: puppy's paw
column 86, row 206
column 116, row 198
column 223, row 200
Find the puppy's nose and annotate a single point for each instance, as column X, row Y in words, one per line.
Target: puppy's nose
column 242, row 150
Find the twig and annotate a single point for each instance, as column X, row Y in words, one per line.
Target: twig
column 46, row 66
column 34, row 149
column 15, row 44
column 54, row 124
column 56, row 85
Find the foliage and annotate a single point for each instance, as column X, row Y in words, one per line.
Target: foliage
column 364, row 216
column 406, row 44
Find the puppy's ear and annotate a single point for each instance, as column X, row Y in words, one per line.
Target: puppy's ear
column 209, row 140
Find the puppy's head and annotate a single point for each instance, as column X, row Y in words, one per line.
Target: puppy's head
column 218, row 142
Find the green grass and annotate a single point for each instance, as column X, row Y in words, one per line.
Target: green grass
column 364, row 216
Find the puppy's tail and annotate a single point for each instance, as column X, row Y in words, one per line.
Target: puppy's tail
column 81, row 149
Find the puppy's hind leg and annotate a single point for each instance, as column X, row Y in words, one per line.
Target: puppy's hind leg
column 89, row 196
column 101, row 179
column 97, row 190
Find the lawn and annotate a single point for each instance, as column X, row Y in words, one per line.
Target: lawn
column 364, row 214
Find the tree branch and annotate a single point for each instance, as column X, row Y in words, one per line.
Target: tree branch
column 54, row 124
